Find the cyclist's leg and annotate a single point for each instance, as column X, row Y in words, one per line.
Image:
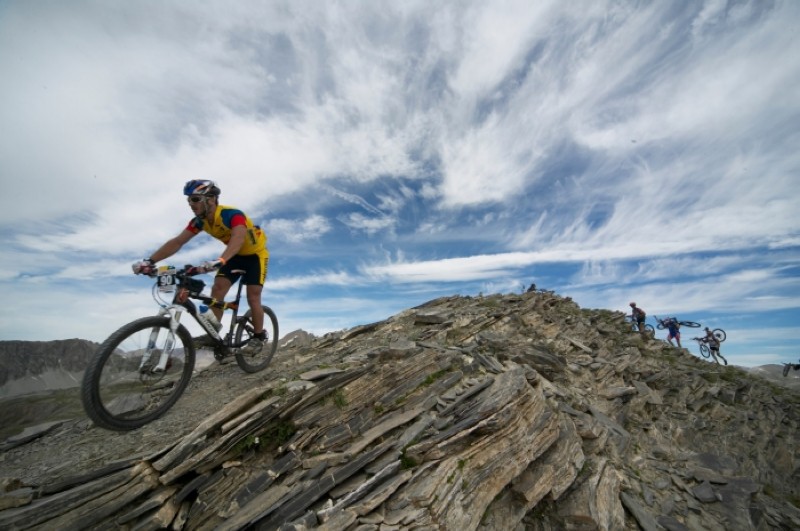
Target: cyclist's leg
column 222, row 284
column 254, row 300
column 255, row 267
column 254, row 279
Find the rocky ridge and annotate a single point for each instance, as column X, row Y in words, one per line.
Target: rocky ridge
column 499, row 412
column 32, row 366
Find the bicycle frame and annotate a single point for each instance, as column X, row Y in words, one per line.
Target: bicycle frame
column 635, row 325
column 159, row 351
column 181, row 302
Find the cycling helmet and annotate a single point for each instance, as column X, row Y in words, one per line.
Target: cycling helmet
column 633, row 304
column 201, row 187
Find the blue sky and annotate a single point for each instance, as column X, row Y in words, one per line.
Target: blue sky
column 396, row 152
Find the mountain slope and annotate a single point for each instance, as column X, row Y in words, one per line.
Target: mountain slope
column 501, row 412
column 34, row 366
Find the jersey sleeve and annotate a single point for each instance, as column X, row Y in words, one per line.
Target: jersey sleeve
column 232, row 217
column 195, row 226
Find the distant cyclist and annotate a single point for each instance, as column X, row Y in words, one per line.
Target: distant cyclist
column 674, row 328
column 639, row 317
column 245, row 249
column 787, row 366
column 713, row 345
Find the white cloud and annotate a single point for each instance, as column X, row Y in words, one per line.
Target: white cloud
column 652, row 145
column 370, row 225
column 295, row 231
column 323, row 278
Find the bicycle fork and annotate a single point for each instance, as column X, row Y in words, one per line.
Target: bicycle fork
column 169, row 344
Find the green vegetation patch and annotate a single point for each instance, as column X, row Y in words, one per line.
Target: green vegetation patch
column 339, row 400
column 406, row 461
column 275, row 435
column 431, row 378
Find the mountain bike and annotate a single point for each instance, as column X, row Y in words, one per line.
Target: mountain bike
column 141, row 370
column 720, row 334
column 704, row 350
column 635, row 326
column 662, row 323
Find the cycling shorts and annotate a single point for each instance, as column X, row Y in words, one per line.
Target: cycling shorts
column 254, row 266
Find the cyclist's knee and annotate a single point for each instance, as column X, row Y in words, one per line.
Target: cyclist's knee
column 218, row 291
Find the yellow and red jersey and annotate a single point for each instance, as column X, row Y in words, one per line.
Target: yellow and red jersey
column 225, row 219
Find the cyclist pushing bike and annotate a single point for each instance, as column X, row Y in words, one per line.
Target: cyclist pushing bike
column 245, row 255
column 638, row 316
column 788, row 366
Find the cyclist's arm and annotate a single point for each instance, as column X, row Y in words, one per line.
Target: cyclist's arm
column 236, row 242
column 172, row 246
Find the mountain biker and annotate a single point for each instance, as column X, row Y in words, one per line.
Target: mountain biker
column 673, row 326
column 713, row 345
column 787, row 366
column 245, row 249
column 639, row 316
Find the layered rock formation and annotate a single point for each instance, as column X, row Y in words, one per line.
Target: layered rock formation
column 501, row 412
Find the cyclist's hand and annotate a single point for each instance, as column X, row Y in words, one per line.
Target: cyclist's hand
column 211, row 265
column 143, row 267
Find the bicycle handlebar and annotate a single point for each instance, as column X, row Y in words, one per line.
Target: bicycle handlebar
column 186, row 271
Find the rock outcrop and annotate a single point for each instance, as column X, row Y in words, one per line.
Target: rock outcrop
column 500, row 412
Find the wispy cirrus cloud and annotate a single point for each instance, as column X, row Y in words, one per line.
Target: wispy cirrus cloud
column 401, row 151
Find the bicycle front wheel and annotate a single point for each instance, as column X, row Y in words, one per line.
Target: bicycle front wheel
column 137, row 374
column 690, row 324
column 720, row 334
column 244, row 332
column 704, row 351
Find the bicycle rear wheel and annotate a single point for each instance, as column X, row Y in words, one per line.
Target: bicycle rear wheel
column 705, row 351
column 244, row 332
column 720, row 334
column 690, row 324
column 137, row 374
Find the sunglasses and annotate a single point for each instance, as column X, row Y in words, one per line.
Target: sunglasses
column 195, row 198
